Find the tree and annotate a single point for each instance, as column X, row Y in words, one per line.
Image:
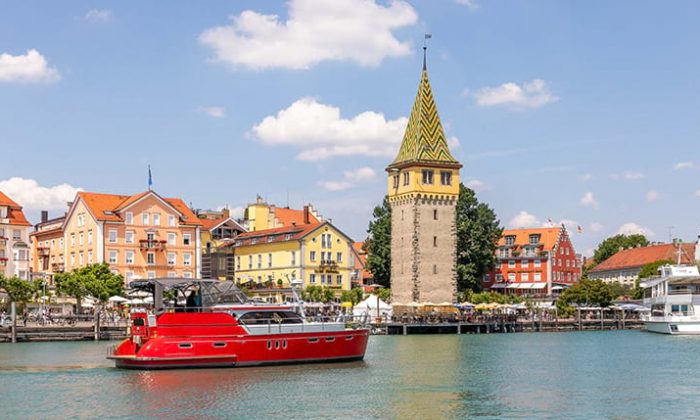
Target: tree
column 69, row 284
column 353, row 295
column 649, row 270
column 378, row 244
column 20, row 291
column 383, row 293
column 478, row 231
column 612, row 245
column 587, row 293
column 317, row 294
column 94, row 280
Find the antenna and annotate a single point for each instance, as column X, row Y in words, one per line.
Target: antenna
column 670, row 233
column 425, row 49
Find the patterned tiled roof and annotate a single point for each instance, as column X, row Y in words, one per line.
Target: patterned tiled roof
column 638, row 257
column 424, row 140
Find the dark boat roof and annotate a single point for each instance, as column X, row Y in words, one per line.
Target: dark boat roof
column 172, row 282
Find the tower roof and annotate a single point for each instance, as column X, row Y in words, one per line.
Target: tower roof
column 424, row 140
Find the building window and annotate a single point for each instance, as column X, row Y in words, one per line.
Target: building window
column 428, row 176
column 80, row 258
column 269, row 260
column 186, row 239
column 89, row 257
column 534, row 239
column 156, row 219
column 435, row 214
column 171, row 258
column 538, row 276
column 145, row 218
column 312, row 255
column 129, row 219
column 406, row 177
column 171, row 220
column 112, row 236
column 187, row 259
column 434, row 268
column 511, row 277
column 312, row 278
column 568, row 263
column 339, row 257
column 129, row 257
column 129, row 237
column 151, row 258
column 81, row 238
column 446, row 177
column 171, row 238
column 151, row 274
column 187, row 274
column 339, row 279
column 524, row 276
column 259, row 261
column 294, row 258
column 511, row 263
column 396, row 181
column 510, row 240
column 434, row 240
column 538, row 264
column 89, row 238
column 172, row 274
column 129, row 275
column 72, row 239
column 250, row 262
column 524, row 263
column 238, row 263
column 112, row 257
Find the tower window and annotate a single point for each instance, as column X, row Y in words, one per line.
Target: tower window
column 396, row 181
column 435, row 214
column 446, row 177
column 401, row 215
column 434, row 268
column 406, row 177
column 434, row 240
column 427, row 176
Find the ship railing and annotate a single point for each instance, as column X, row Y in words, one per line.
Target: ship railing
column 327, row 323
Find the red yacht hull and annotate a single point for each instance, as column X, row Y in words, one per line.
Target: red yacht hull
column 217, row 340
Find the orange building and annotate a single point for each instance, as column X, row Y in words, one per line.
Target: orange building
column 536, row 261
column 139, row 236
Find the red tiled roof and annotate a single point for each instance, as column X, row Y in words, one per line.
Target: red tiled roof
column 548, row 236
column 105, row 206
column 288, row 216
column 638, row 257
column 209, row 224
column 277, row 234
column 14, row 214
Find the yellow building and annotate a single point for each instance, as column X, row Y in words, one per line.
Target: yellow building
column 261, row 216
column 316, row 254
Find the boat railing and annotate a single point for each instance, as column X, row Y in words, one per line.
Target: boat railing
column 276, row 325
column 672, row 318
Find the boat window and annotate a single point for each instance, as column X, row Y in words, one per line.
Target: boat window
column 349, row 337
column 329, row 339
column 185, row 345
column 269, row 344
column 272, row 317
column 313, row 340
column 277, row 344
column 284, row 344
column 139, row 322
column 219, row 344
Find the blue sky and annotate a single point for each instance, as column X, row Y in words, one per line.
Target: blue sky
column 582, row 112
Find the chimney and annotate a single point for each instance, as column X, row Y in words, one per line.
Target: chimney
column 44, row 216
column 226, row 212
column 307, row 219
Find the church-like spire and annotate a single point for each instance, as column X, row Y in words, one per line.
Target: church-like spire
column 424, row 140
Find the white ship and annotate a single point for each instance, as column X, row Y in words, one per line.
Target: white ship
column 674, row 300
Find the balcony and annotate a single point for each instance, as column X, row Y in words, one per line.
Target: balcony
column 58, row 267
column 43, row 251
column 152, row 244
column 327, row 266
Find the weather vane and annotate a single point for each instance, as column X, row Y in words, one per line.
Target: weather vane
column 425, row 47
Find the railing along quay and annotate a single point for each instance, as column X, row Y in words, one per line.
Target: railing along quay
column 83, row 332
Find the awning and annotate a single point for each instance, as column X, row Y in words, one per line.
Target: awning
column 525, row 285
column 513, row 286
column 498, row 286
column 539, row 285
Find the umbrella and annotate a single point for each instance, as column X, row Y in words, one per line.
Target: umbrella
column 136, row 301
column 118, row 299
column 444, row 304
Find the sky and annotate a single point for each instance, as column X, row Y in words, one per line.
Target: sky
column 582, row 113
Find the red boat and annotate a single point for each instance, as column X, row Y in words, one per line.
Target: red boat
column 219, row 327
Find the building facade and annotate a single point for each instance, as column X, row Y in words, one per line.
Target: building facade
column 261, row 216
column 48, row 247
column 538, row 262
column 218, row 229
column 423, row 187
column 14, row 240
column 624, row 266
column 139, row 236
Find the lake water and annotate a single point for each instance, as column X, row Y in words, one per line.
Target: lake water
column 615, row 374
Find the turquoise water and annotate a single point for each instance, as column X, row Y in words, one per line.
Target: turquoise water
column 617, row 374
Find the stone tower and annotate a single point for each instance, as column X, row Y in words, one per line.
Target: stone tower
column 423, row 186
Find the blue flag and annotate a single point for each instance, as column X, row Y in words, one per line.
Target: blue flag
column 150, row 178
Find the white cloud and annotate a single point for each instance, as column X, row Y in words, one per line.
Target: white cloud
column 350, row 179
column 586, row 177
column 524, row 220
column 465, row 92
column 534, row 94
column 683, row 165
column 652, row 195
column 633, row 228
column 697, row 193
column 476, row 185
column 213, row 111
column 596, row 227
column 471, row 4
column 28, row 68
column 32, row 196
column 321, row 133
column 588, row 200
column 315, row 31
column 628, row 175
column 453, row 142
column 98, row 15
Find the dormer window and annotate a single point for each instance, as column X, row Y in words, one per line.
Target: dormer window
column 535, row 239
column 3, row 212
column 510, row 240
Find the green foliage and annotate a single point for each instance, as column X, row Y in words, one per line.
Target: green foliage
column 317, row 294
column 586, row 293
column 94, row 280
column 492, row 297
column 618, row 290
column 649, row 270
column 478, row 231
column 383, row 294
column 612, row 245
column 378, row 244
column 354, row 295
column 20, row 291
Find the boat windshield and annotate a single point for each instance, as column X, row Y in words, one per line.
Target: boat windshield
column 270, row 317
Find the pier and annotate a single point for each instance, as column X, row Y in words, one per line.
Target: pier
column 493, row 327
column 63, row 333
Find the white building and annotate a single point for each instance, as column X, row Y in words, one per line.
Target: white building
column 14, row 239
